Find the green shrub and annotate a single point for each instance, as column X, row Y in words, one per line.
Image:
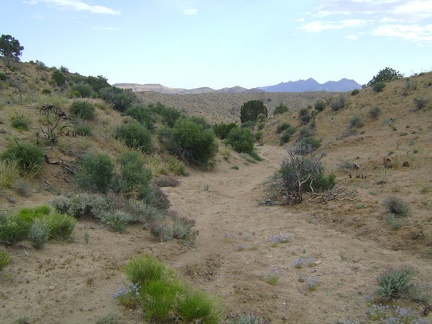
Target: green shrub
column 28, row 157
column 253, row 111
column 385, row 75
column 83, row 129
column 285, row 138
column 281, row 109
column 396, row 206
column 192, row 143
column 133, row 176
column 46, row 92
column 60, row 226
column 82, row 109
column 310, row 141
column 169, row 115
column 142, row 114
column 3, row 76
column 38, row 234
column 378, row 87
column 320, row 105
column 321, row 183
column 222, row 130
column 81, row 90
column 282, row 127
column 159, row 299
column 394, row 282
column 20, row 123
column 12, row 230
column 355, row 92
column 4, row 259
column 162, row 231
column 136, row 136
column 241, row 140
column 375, row 112
column 196, row 306
column 143, row 270
column 120, row 99
column 95, row 173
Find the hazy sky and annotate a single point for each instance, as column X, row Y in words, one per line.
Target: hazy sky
column 223, row 43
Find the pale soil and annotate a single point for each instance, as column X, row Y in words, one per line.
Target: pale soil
column 73, row 282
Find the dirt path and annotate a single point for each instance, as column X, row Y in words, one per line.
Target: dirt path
column 73, row 283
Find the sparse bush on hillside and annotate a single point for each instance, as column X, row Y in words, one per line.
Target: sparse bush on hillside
column 385, row 75
column 82, row 110
column 27, row 156
column 120, row 99
column 97, row 83
column 81, row 90
column 83, row 129
column 378, row 87
column 58, row 78
column 355, row 122
column 281, row 109
column 320, row 105
column 222, row 130
column 375, row 112
column 253, row 111
column 142, row 114
column 355, row 92
column 420, row 103
column 134, row 135
column 96, row 172
column 191, row 142
column 396, row 206
column 306, row 139
column 241, row 140
column 38, row 235
column 338, row 103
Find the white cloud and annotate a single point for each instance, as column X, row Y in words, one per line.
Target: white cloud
column 190, row 12
column 77, row 5
column 415, row 33
column 317, row 26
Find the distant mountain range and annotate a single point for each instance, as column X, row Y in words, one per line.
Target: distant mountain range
column 309, row 85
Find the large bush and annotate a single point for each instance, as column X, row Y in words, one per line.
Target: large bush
column 95, row 173
column 253, row 111
column 134, row 178
column 281, row 109
column 82, row 90
column 222, row 130
column 134, row 135
column 192, row 143
column 120, row 99
column 82, row 109
column 27, row 156
column 169, row 115
column 241, row 139
column 298, row 174
column 385, row 75
column 142, row 114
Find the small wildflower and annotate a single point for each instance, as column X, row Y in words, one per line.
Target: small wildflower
column 298, row 263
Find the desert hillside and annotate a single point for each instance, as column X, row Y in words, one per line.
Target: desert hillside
column 263, row 260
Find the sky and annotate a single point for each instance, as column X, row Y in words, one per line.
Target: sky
column 223, row 43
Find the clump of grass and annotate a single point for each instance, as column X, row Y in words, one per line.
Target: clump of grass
column 394, row 282
column 377, row 312
column 9, row 172
column 20, row 122
column 274, row 275
column 4, row 259
column 298, row 264
column 162, row 296
column 396, row 206
column 166, row 181
column 107, row 319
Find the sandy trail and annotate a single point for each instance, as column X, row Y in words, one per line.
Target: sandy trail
column 73, row 282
